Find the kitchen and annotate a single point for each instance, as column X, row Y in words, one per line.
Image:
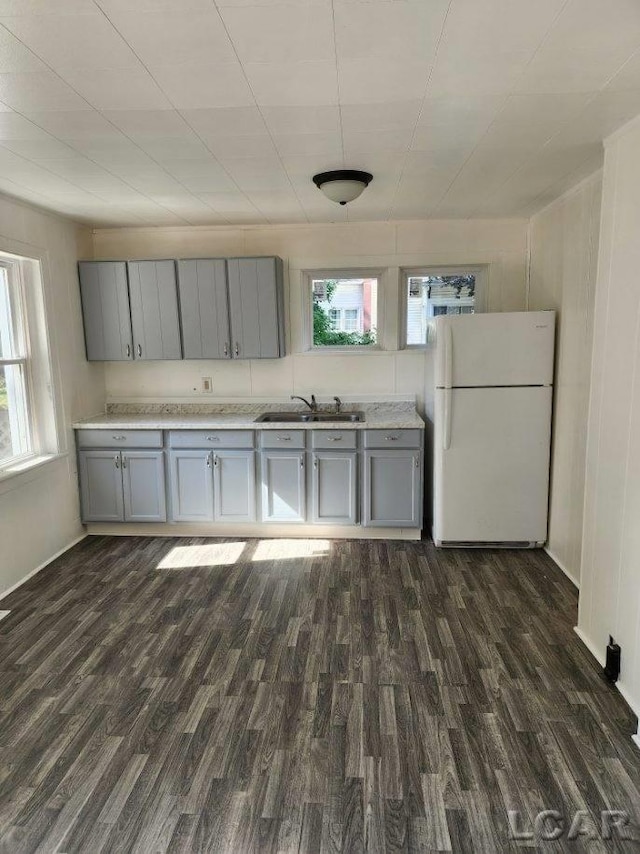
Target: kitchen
column 343, row 630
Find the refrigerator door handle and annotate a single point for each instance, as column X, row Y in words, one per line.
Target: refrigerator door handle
column 446, row 431
column 448, row 356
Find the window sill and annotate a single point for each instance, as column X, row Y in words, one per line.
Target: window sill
column 12, row 474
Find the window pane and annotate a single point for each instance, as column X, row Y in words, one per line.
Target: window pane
column 14, row 431
column 431, row 296
column 344, row 312
column 8, row 349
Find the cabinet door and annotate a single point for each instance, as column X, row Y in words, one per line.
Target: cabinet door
column 191, row 480
column 154, row 310
column 143, row 481
column 256, row 307
column 283, row 486
column 334, row 488
column 204, row 309
column 101, row 497
column 105, row 310
column 393, row 489
column 234, row 479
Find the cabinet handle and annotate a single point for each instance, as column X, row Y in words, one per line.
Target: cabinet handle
column 226, row 349
column 119, row 438
column 301, row 462
column 283, row 438
column 315, row 463
column 213, row 438
column 128, row 351
column 237, row 349
column 417, row 461
column 391, row 438
column 209, row 460
column 215, row 461
column 124, row 462
column 139, row 350
column 116, row 460
column 334, row 438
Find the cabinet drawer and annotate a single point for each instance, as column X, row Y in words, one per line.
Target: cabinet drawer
column 119, row 438
column 211, row 438
column 285, row 440
column 334, row 440
column 393, row 438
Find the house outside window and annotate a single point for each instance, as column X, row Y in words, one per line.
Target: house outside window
column 344, row 310
column 431, row 292
column 15, row 431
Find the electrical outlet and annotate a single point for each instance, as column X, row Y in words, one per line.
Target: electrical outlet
column 206, row 385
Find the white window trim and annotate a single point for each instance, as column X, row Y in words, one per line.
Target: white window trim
column 480, row 271
column 31, row 265
column 307, row 306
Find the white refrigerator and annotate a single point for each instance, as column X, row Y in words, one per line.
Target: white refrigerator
column 492, row 430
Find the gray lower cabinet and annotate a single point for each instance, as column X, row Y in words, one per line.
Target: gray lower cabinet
column 144, row 487
column 191, row 485
column 105, row 310
column 234, row 479
column 283, row 487
column 101, row 494
column 334, row 488
column 154, row 309
column 392, row 487
column 120, row 486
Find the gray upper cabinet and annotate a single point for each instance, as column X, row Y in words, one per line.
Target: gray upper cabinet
column 256, row 306
column 105, row 310
column 101, row 496
column 234, row 480
column 283, row 486
column 154, row 309
column 204, row 309
column 392, row 488
column 143, row 485
column 334, row 488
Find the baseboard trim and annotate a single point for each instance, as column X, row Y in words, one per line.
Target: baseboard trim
column 622, row 689
column 42, row 566
column 252, row 530
column 564, row 569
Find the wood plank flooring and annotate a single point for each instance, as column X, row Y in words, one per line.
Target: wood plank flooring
column 191, row 695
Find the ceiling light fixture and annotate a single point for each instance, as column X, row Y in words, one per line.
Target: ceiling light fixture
column 342, row 185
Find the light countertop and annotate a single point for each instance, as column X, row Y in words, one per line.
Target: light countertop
column 378, row 416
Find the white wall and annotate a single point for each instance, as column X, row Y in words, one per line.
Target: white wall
column 500, row 243
column 610, row 580
column 563, row 263
column 39, row 512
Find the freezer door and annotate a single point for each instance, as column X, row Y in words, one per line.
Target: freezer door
column 510, row 348
column 491, row 465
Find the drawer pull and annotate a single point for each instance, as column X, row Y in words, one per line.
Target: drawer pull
column 283, row 438
column 391, row 438
column 213, row 438
column 119, row 438
column 334, row 438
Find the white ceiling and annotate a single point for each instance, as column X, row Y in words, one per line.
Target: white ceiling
column 161, row 112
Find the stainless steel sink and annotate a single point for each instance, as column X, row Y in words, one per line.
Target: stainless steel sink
column 306, row 417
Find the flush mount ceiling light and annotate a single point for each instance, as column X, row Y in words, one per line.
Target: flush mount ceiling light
column 342, row 185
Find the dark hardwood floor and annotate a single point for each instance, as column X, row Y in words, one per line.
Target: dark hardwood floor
column 191, row 695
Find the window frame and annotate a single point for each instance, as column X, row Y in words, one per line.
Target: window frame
column 480, row 271
column 307, row 306
column 22, row 357
column 31, row 266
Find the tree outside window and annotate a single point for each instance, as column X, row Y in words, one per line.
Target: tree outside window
column 344, row 312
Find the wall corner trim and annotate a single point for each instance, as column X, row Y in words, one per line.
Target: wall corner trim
column 42, row 566
column 563, row 568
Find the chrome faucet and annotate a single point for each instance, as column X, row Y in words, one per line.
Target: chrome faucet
column 313, row 406
column 338, row 404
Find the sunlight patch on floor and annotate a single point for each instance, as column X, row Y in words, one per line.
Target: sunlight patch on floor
column 283, row 549
column 206, row 554
column 4, row 614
